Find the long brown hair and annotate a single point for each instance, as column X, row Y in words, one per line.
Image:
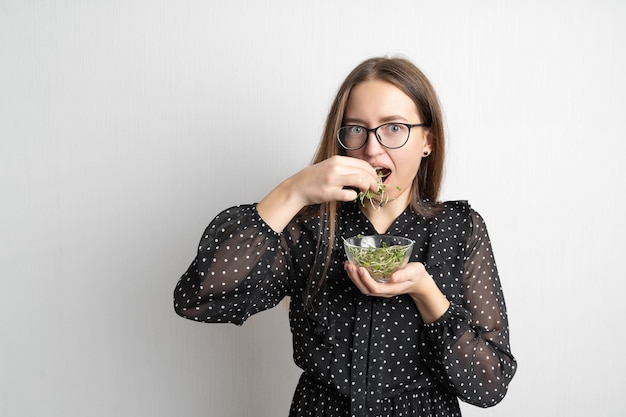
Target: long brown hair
column 426, row 185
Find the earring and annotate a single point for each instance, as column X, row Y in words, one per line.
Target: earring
column 426, row 153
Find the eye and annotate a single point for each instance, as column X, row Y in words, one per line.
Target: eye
column 394, row 128
column 355, row 130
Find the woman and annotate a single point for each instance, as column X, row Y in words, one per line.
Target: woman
column 435, row 332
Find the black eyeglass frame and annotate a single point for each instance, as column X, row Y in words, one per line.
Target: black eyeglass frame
column 375, row 130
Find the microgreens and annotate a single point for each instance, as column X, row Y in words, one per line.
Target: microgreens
column 379, row 198
column 380, row 262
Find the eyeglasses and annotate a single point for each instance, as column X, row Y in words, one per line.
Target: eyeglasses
column 390, row 135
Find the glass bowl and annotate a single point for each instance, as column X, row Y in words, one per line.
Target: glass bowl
column 381, row 255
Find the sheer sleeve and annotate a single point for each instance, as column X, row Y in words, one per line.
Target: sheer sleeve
column 240, row 269
column 468, row 347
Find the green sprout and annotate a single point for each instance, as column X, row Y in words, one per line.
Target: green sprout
column 379, row 198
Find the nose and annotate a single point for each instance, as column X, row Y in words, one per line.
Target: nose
column 372, row 145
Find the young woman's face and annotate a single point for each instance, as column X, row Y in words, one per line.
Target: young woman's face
column 373, row 103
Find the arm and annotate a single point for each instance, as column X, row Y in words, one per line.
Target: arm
column 243, row 261
column 241, row 268
column 468, row 347
column 325, row 181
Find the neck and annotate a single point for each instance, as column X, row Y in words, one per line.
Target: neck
column 382, row 217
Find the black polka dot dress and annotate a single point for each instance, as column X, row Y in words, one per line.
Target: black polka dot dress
column 362, row 355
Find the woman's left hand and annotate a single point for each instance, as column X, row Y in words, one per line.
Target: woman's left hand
column 413, row 280
column 407, row 280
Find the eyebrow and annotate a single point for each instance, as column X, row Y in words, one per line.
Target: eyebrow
column 385, row 119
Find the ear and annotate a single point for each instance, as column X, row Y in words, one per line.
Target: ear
column 427, row 138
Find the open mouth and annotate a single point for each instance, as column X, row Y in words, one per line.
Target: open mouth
column 379, row 197
column 383, row 173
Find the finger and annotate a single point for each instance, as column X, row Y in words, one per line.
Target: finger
column 356, row 177
column 360, row 174
column 346, row 194
column 397, row 284
column 372, row 287
column 369, row 286
column 363, row 181
column 356, row 277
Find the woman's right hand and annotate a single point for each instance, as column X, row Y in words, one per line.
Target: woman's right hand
column 334, row 179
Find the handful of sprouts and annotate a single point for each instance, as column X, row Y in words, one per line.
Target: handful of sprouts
column 377, row 198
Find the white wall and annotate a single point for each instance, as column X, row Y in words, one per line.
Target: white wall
column 125, row 126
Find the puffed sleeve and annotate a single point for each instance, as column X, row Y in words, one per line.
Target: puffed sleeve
column 240, row 269
column 468, row 349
